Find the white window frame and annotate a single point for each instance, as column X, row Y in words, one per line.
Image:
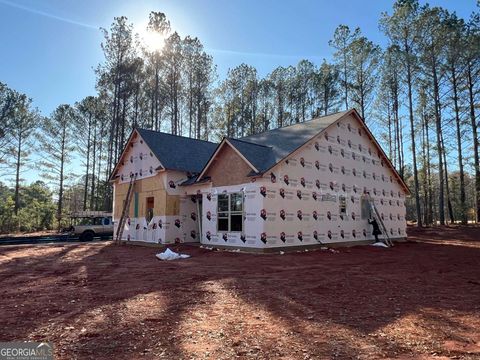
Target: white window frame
column 230, row 212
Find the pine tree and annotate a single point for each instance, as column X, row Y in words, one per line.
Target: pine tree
column 432, row 56
column 364, row 62
column 9, row 100
column 454, row 53
column 56, row 144
column 472, row 74
column 22, row 130
column 159, row 25
column 402, row 31
column 342, row 39
column 327, row 89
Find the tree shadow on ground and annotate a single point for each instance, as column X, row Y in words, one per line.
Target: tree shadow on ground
column 104, row 301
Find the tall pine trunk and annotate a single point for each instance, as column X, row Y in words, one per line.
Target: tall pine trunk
column 424, row 170
column 429, row 174
column 157, row 98
column 475, row 138
column 398, row 143
column 438, row 124
column 85, row 190
column 412, row 134
column 17, row 172
column 199, row 116
column 463, row 206
column 99, row 174
column 447, row 188
column 345, row 75
column 60, row 190
column 94, row 155
column 390, row 149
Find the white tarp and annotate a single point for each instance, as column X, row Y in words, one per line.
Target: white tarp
column 380, row 244
column 171, row 255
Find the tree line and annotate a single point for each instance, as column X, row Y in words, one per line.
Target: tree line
column 419, row 95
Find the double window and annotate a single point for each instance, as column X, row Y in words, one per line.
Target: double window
column 230, row 212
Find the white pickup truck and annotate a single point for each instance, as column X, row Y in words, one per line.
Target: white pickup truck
column 90, row 224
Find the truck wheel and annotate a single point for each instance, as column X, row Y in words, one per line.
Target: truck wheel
column 87, row 236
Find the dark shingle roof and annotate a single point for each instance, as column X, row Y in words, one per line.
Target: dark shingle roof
column 261, row 150
column 178, row 152
column 259, row 155
column 193, row 180
column 266, row 149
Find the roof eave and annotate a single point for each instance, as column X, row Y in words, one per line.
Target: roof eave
column 112, row 176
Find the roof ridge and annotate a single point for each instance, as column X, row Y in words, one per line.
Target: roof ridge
column 178, row 136
column 299, row 123
column 250, row 143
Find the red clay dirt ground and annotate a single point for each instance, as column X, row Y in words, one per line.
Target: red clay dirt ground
column 417, row 300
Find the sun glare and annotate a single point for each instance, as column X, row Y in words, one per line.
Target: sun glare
column 152, row 40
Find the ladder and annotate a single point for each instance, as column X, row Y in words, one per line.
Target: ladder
column 126, row 207
column 378, row 218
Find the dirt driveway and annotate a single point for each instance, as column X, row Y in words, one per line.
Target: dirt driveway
column 100, row 301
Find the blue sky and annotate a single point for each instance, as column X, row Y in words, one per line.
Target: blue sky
column 49, row 48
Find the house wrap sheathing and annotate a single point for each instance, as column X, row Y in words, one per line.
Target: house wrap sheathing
column 301, row 185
